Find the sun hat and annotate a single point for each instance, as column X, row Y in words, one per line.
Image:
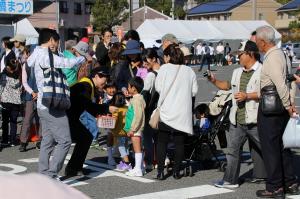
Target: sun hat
column 20, row 38
column 132, row 48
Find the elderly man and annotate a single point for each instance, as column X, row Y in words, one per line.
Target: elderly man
column 243, row 114
column 281, row 178
column 166, row 40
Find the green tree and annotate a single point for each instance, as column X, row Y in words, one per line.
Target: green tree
column 283, row 1
column 108, row 13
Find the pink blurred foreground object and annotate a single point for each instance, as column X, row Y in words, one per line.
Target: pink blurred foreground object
column 36, row 186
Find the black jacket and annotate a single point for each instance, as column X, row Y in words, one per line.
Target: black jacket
column 102, row 55
column 121, row 75
column 11, row 55
column 80, row 96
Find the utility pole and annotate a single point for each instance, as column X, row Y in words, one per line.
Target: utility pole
column 130, row 14
column 173, row 9
column 254, row 9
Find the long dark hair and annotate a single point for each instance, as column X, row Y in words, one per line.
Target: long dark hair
column 15, row 67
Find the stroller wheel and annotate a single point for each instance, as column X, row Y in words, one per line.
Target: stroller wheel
column 191, row 171
column 223, row 166
column 186, row 171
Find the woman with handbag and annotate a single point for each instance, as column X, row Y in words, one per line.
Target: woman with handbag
column 176, row 85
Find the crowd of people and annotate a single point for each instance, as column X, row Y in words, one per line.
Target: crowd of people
column 64, row 93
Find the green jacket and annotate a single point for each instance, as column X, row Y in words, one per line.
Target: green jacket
column 71, row 73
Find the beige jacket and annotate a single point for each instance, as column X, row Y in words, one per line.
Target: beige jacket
column 273, row 72
column 138, row 122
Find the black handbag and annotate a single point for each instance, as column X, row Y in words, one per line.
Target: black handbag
column 270, row 101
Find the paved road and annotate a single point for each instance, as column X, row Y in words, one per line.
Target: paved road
column 105, row 182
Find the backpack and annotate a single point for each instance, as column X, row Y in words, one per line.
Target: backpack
column 207, row 50
column 151, row 99
column 218, row 102
column 56, row 92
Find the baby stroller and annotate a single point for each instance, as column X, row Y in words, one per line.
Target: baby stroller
column 201, row 146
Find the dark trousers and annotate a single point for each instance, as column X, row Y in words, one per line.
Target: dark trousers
column 10, row 114
column 278, row 161
column 83, row 139
column 206, row 58
column 164, row 134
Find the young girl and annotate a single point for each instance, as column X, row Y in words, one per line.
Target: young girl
column 134, row 123
column 119, row 100
column 110, row 91
column 11, row 89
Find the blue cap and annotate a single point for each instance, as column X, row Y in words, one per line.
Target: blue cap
column 132, row 48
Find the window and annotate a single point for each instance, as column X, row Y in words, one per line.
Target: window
column 63, row 7
column 77, row 9
column 88, row 8
column 260, row 16
column 225, row 17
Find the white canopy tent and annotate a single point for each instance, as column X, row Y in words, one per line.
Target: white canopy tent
column 24, row 27
column 188, row 31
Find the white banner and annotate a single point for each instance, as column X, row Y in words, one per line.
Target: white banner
column 16, row 7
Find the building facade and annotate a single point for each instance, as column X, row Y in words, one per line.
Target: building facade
column 68, row 16
column 287, row 13
column 236, row 10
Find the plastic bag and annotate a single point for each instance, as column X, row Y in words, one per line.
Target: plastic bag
column 291, row 135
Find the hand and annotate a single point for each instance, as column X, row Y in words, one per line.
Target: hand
column 240, row 96
column 212, row 78
column 113, row 109
column 292, row 111
column 77, row 54
column 125, row 92
column 130, row 134
column 89, row 59
column 297, row 79
column 34, row 95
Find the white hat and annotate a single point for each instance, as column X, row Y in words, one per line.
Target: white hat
column 20, row 38
column 185, row 50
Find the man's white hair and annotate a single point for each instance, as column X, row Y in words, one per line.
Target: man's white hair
column 266, row 33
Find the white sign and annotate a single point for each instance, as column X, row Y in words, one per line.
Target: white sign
column 16, row 7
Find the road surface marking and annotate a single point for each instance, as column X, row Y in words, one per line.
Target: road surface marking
column 190, row 192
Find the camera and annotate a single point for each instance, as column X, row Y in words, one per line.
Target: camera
column 207, row 74
column 290, row 77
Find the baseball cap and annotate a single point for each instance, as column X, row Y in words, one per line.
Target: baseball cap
column 170, row 37
column 248, row 46
column 132, row 48
column 20, row 38
column 82, row 48
column 101, row 70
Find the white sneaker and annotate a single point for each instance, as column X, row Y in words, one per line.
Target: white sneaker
column 111, row 162
column 135, row 173
column 167, row 161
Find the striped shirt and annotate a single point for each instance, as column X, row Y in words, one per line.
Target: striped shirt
column 241, row 111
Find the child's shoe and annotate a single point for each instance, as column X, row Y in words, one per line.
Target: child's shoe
column 135, row 173
column 122, row 166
